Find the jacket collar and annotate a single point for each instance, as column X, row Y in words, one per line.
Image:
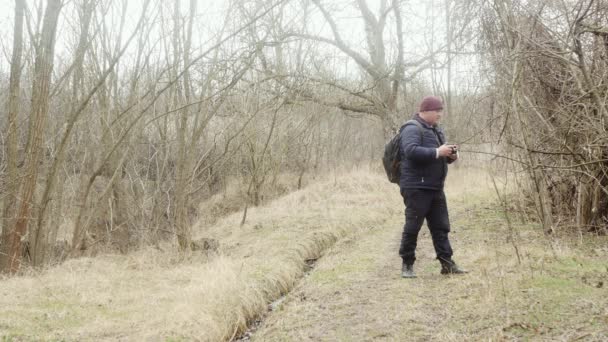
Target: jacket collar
column 424, row 123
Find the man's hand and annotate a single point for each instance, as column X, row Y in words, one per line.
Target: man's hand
column 446, row 151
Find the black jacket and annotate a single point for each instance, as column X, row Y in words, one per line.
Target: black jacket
column 420, row 169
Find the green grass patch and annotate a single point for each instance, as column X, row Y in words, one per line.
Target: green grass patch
column 554, row 285
column 579, row 265
column 337, row 276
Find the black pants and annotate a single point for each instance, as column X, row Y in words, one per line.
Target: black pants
column 421, row 204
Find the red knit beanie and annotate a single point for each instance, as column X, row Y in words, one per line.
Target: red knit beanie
column 431, row 103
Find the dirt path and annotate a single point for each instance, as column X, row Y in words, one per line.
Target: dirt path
column 356, row 294
column 356, row 291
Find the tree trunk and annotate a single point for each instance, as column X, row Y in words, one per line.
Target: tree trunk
column 448, row 95
column 184, row 164
column 10, row 183
column 37, row 242
column 40, row 101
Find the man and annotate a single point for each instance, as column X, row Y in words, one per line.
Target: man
column 424, row 159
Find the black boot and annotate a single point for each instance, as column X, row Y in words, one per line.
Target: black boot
column 407, row 271
column 448, row 266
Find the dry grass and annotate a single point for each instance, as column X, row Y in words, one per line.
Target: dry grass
column 234, row 195
column 159, row 295
column 356, row 294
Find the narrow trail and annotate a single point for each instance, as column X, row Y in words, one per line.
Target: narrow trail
column 356, row 293
column 356, row 290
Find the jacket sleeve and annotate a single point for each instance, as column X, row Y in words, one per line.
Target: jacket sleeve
column 410, row 145
column 449, row 161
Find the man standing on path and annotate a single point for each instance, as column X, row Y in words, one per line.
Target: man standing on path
column 424, row 165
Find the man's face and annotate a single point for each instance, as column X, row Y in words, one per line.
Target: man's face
column 432, row 117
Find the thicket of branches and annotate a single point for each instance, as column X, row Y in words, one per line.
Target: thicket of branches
column 548, row 62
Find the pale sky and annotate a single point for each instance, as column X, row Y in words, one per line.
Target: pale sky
column 211, row 15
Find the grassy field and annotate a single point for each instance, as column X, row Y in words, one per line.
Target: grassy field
column 349, row 225
column 162, row 296
column 555, row 291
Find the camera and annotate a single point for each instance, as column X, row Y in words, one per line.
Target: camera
column 454, row 150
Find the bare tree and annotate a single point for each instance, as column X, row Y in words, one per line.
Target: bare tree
column 40, row 238
column 553, row 118
column 11, row 180
column 33, row 152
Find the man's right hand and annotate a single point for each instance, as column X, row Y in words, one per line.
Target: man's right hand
column 446, row 150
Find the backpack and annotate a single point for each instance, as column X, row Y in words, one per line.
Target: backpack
column 392, row 157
